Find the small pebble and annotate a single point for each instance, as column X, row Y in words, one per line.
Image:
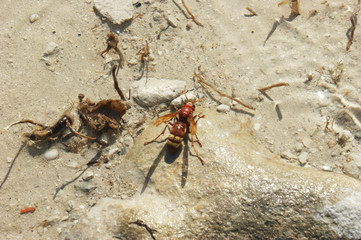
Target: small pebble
column 51, row 154
column 302, row 158
column 179, row 101
column 51, row 48
column 298, row 147
column 172, row 21
column 34, row 18
column 223, row 108
column 88, row 175
column 288, row 155
column 326, row 168
column 9, row 159
column 307, row 142
column 85, row 186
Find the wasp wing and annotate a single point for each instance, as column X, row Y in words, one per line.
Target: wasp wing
column 165, row 118
column 192, row 125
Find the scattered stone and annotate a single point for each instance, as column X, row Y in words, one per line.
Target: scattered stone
column 302, row 158
column 150, row 92
column 51, row 154
column 116, row 11
column 326, row 168
column 113, row 150
column 223, row 108
column 9, row 159
column 351, row 169
column 73, row 164
column 298, row 147
column 172, row 21
column 51, row 49
column 34, row 18
column 85, row 187
column 179, row 101
column 88, row 175
column 289, row 156
column 307, row 142
column 157, row 16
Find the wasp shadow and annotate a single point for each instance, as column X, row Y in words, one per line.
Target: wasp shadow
column 168, row 158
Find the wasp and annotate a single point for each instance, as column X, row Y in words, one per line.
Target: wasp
column 184, row 122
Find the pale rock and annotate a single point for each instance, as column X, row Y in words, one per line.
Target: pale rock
column 307, row 142
column 179, row 101
column 34, row 17
column 85, row 186
column 149, row 92
column 88, row 176
column 288, row 155
column 172, row 21
column 116, row 11
column 223, row 108
column 242, row 192
column 51, row 154
column 326, row 168
column 51, row 49
column 302, row 158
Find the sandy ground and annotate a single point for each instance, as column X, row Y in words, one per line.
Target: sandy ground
column 238, row 54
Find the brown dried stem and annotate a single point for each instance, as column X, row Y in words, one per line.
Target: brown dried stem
column 263, row 90
column 202, row 81
column 253, row 12
column 192, row 16
column 353, row 20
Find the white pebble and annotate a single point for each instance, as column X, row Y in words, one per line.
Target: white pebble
column 326, row 168
column 51, row 154
column 34, row 17
column 172, row 21
column 302, row 158
column 223, row 108
column 51, row 48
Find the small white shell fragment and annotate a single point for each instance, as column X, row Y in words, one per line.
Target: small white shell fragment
column 223, row 108
column 51, row 154
column 34, row 17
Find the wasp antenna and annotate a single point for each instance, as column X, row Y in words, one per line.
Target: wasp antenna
column 197, row 100
column 185, row 94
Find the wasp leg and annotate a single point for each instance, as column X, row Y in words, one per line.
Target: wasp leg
column 195, row 150
column 145, row 143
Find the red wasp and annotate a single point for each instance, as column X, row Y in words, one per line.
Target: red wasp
column 184, row 120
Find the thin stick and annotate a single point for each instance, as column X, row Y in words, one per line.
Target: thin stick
column 116, row 86
column 353, row 28
column 353, row 20
column 253, row 12
column 263, row 90
column 202, row 81
column 192, row 16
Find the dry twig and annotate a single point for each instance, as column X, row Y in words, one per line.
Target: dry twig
column 263, row 90
column 192, row 16
column 202, row 81
column 253, row 13
column 353, row 20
